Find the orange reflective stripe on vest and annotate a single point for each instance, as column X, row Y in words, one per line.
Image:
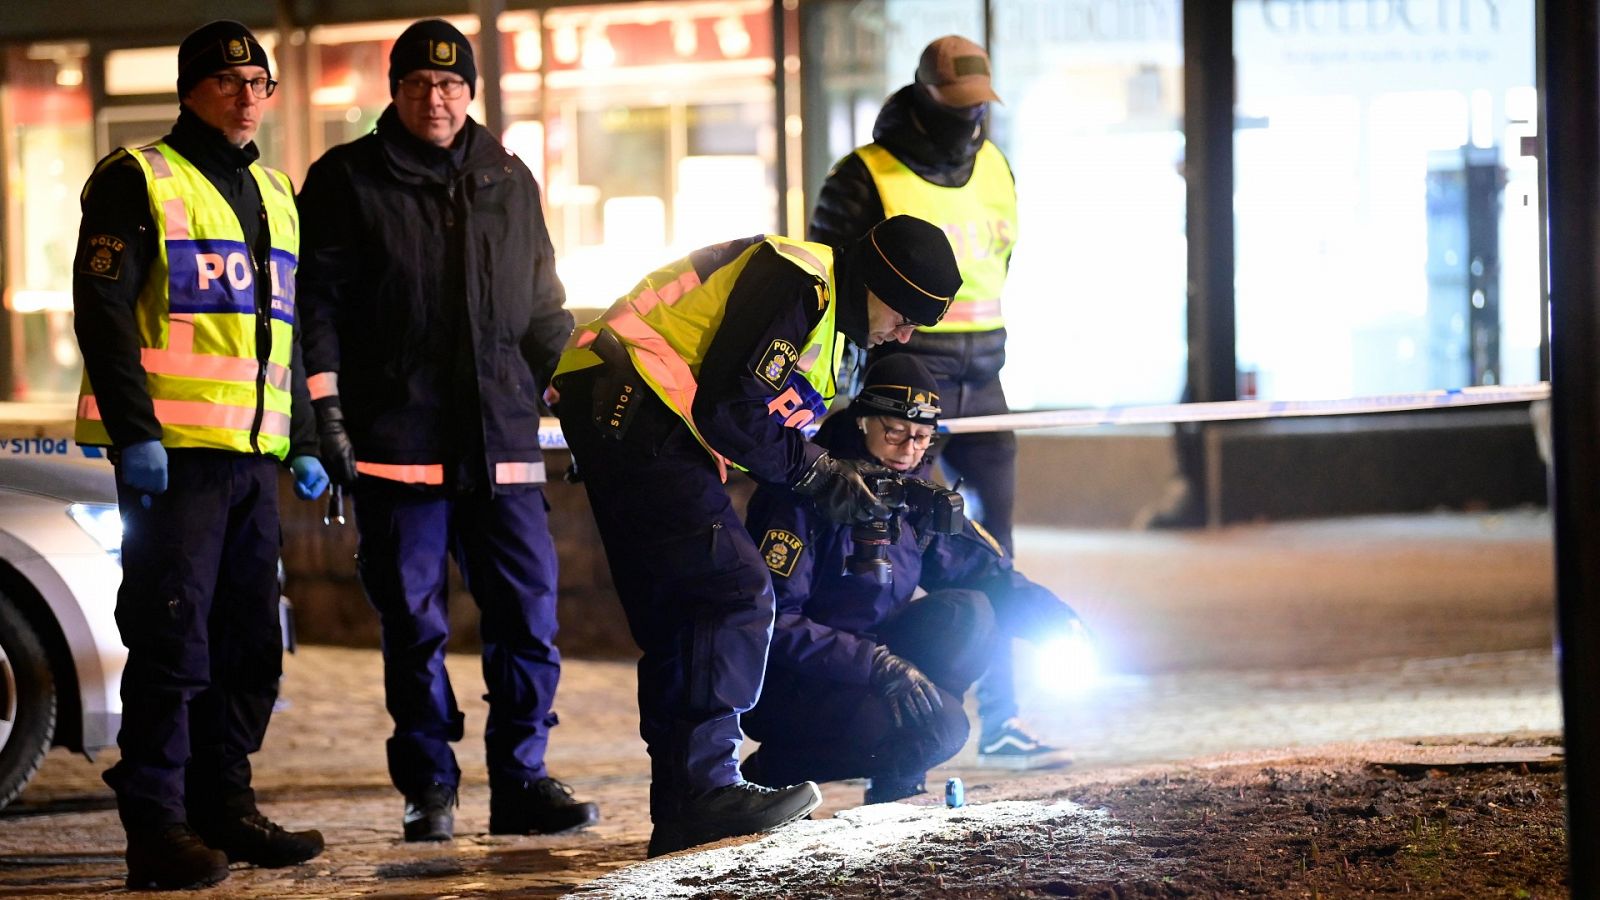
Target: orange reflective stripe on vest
column 972, row 311
column 196, row 413
column 422, row 473
column 669, row 293
column 207, row 366
column 663, row 367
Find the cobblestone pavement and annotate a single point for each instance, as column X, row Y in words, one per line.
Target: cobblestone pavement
column 1245, row 642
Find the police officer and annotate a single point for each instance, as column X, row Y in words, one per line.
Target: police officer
column 433, row 321
column 713, row 362
column 863, row 680
column 183, row 289
column 931, row 157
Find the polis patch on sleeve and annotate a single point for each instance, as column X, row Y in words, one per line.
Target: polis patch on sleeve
column 102, row 256
column 781, row 550
column 988, row 538
column 777, row 363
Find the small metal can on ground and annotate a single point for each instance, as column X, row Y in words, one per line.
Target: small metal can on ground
column 955, row 793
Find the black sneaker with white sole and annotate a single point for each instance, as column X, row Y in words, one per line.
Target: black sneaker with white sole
column 1013, row 746
column 734, row 810
column 545, row 806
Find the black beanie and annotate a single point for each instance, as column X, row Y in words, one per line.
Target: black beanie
column 216, row 46
column 899, row 386
column 432, row 44
column 908, row 263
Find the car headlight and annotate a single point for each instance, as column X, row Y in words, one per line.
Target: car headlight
column 102, row 522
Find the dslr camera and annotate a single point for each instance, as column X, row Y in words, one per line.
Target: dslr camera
column 934, row 508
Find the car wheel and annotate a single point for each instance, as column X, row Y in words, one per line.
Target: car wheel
column 27, row 701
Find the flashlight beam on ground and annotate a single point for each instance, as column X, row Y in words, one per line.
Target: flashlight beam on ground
column 810, row 852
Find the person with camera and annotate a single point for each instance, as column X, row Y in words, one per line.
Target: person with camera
column 931, row 157
column 864, row 679
column 714, row 361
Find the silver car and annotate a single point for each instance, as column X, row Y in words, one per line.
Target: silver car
column 61, row 658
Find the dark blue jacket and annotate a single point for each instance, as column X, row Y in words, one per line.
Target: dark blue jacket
column 428, row 283
column 827, row 617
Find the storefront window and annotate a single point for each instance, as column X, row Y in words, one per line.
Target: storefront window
column 659, row 135
column 1092, row 122
column 1387, row 223
column 858, row 53
column 48, row 148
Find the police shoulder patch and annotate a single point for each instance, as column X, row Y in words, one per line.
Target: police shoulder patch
column 781, row 549
column 988, row 538
column 777, row 363
column 102, row 256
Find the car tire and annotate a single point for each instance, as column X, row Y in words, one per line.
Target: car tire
column 27, row 701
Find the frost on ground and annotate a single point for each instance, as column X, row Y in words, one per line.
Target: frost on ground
column 848, row 847
column 1463, row 820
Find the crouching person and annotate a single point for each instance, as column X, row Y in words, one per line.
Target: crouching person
column 714, row 361
column 862, row 679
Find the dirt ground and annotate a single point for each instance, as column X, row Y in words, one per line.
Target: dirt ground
column 1326, row 709
column 1480, row 821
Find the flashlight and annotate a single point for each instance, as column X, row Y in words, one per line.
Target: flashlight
column 1069, row 663
column 335, row 513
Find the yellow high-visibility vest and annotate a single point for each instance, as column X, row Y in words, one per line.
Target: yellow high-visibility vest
column 667, row 321
column 979, row 218
column 197, row 315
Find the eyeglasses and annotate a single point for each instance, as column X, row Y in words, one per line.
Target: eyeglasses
column 419, row 88
column 897, row 435
column 230, row 85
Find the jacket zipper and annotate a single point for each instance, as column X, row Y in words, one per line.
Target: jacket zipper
column 263, row 328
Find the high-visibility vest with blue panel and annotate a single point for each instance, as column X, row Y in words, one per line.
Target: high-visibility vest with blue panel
column 668, row 320
column 979, row 218
column 211, row 384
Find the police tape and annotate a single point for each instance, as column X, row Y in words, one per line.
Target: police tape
column 1233, row 410
column 550, row 437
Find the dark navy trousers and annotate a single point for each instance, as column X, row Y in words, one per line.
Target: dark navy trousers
column 820, row 730
column 503, row 547
column 198, row 612
column 693, row 585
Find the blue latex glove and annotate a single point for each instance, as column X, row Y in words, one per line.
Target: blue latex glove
column 144, row 467
column 310, row 479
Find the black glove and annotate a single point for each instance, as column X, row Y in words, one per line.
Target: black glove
column 912, row 697
column 840, row 491
column 338, row 457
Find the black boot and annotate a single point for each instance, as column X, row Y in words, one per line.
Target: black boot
column 172, row 858
column 431, row 814
column 253, row 838
column 737, row 809
column 537, row 807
